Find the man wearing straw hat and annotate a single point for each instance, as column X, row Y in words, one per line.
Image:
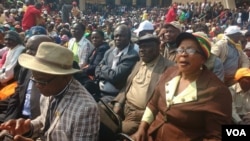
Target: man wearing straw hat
column 68, row 111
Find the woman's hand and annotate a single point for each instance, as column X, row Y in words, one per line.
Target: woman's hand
column 140, row 135
column 17, row 127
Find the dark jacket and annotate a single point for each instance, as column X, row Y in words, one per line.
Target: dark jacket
column 194, row 118
column 95, row 58
column 16, row 101
column 119, row 75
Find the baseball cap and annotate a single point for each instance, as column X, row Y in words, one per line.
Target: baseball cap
column 145, row 25
column 36, row 30
column 6, row 26
column 232, row 30
column 242, row 72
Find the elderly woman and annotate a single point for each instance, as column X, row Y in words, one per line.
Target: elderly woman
column 189, row 102
column 15, row 48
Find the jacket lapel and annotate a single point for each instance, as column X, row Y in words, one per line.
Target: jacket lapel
column 158, row 70
column 59, row 111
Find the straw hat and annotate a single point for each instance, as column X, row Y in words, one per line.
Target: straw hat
column 50, row 58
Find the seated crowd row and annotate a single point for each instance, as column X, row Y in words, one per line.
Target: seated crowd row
column 169, row 84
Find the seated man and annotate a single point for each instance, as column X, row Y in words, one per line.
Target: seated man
column 24, row 102
column 12, row 107
column 241, row 97
column 117, row 64
column 141, row 83
column 68, row 111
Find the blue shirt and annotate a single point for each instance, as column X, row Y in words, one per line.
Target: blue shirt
column 26, row 106
column 231, row 64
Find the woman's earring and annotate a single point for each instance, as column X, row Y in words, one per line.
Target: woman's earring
column 201, row 68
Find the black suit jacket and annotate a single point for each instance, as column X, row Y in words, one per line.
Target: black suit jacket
column 16, row 101
column 95, row 58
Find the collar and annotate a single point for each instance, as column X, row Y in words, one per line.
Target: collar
column 171, row 46
column 188, row 95
column 122, row 52
column 152, row 63
column 236, row 45
column 80, row 42
column 237, row 88
column 60, row 94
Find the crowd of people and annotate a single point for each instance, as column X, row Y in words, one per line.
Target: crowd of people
column 173, row 73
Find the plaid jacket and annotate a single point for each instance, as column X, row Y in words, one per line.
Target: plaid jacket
column 77, row 117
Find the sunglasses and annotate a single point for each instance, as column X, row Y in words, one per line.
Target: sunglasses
column 40, row 82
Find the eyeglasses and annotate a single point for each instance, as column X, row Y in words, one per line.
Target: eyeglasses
column 42, row 83
column 189, row 51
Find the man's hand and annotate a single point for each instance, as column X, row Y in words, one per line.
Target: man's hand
column 3, row 133
column 246, row 119
column 16, row 127
column 21, row 138
column 117, row 108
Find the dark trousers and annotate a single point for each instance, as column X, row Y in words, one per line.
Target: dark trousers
column 66, row 12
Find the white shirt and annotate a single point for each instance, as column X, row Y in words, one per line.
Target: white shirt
column 7, row 72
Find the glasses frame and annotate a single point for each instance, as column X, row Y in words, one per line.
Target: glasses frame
column 189, row 51
column 42, row 83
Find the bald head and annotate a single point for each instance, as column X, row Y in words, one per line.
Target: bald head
column 34, row 41
column 122, row 35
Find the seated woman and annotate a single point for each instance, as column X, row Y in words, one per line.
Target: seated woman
column 97, row 39
column 189, row 102
column 15, row 48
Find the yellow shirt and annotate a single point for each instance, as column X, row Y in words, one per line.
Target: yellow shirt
column 137, row 93
column 145, row 16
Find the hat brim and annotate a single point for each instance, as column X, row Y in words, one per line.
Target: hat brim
column 185, row 35
column 32, row 63
column 169, row 24
column 140, row 41
column 137, row 30
column 242, row 76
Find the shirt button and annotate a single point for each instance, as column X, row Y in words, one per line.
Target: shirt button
column 183, row 99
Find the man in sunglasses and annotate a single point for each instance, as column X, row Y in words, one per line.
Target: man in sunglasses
column 68, row 111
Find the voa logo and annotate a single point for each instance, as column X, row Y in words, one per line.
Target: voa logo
column 236, row 132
